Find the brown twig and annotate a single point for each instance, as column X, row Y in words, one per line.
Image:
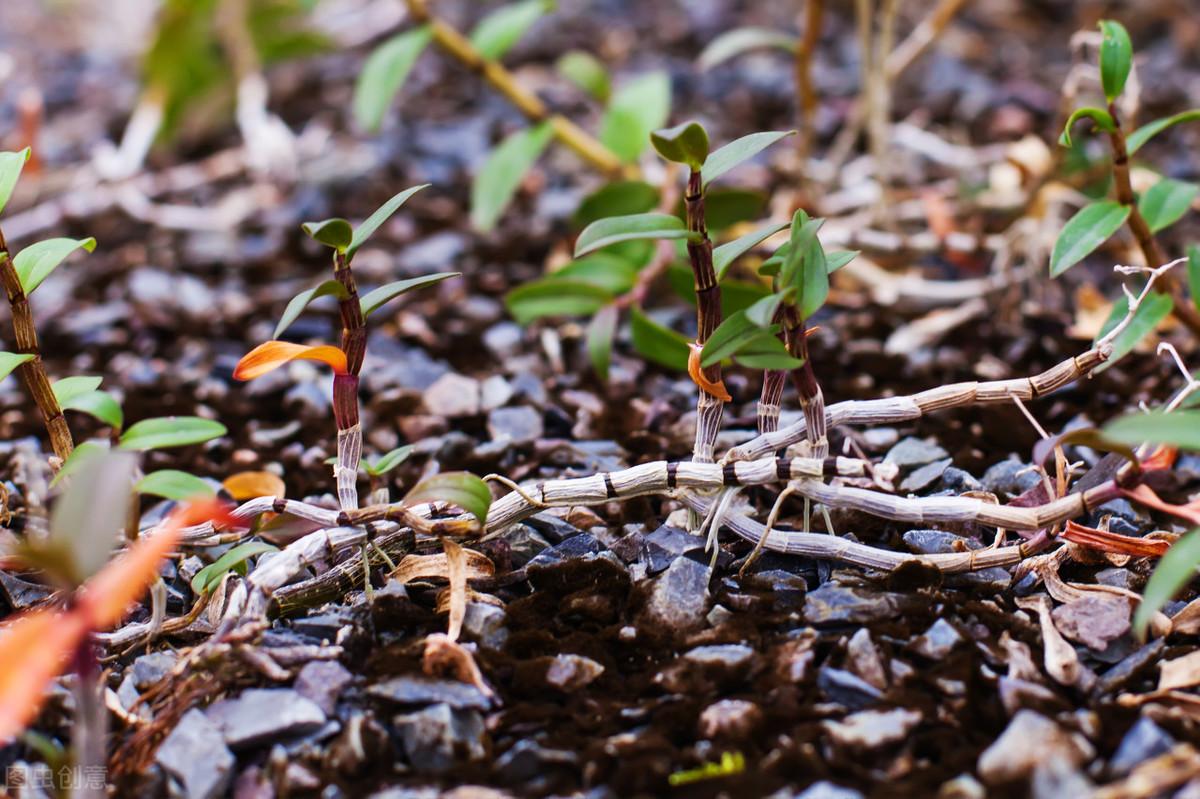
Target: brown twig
column 806, row 94
column 580, row 141
column 33, row 372
column 708, row 315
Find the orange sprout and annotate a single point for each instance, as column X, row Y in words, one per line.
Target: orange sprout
column 716, row 389
column 270, row 355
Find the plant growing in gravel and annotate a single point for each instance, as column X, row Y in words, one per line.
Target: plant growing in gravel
column 1144, row 214
column 346, row 359
column 630, row 112
column 77, row 556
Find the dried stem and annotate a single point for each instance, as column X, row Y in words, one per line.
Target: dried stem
column 33, row 372
column 583, row 143
column 1184, row 310
column 708, row 316
column 345, row 386
column 806, row 94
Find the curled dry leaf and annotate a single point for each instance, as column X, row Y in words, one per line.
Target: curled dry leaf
column 417, row 567
column 270, row 355
column 716, row 389
column 1183, row 672
column 1113, row 542
column 250, row 485
column 456, row 571
column 1061, row 661
column 444, row 657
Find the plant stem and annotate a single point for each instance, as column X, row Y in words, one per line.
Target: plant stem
column 33, row 372
column 806, row 95
column 708, row 316
column 91, row 722
column 1184, row 310
column 345, row 386
column 583, row 143
column 812, row 399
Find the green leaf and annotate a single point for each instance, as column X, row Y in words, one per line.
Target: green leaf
column 637, row 108
column 374, row 300
column 683, row 144
column 9, row 361
column 766, row 352
column 1101, row 118
column 501, row 175
column 554, row 296
column 384, row 73
column 736, row 295
column 741, row 40
column 1084, row 232
column 80, row 455
column 1165, row 203
column 68, row 388
column 1151, row 129
column 732, row 333
column 35, row 263
column 335, row 233
column 99, row 405
column 211, row 575
column 604, row 269
column 385, row 463
column 657, row 343
column 1116, row 58
column 1155, row 308
column 1179, row 429
column 804, row 266
column 170, row 431
column 600, row 333
column 762, row 312
column 301, row 301
column 839, row 258
column 496, row 33
column 10, row 170
column 88, row 518
column 604, row 232
column 724, row 208
column 726, row 254
column 619, row 198
column 1175, row 570
column 458, row 488
column 173, row 484
column 381, row 215
column 726, row 158
column 1193, row 272
column 586, row 72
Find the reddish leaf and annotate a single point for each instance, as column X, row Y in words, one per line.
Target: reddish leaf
column 270, row 355
column 1145, row 495
column 33, row 649
column 1113, row 542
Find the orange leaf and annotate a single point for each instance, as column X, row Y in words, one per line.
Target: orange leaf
column 104, row 599
column 1145, row 495
column 1163, row 457
column 271, row 355
column 716, row 389
column 1114, row 542
column 251, row 485
column 33, row 649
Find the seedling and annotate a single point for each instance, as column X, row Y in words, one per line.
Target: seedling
column 1159, row 207
column 85, row 528
column 345, row 360
column 631, row 112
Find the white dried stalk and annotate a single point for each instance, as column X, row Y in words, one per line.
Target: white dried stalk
column 345, row 471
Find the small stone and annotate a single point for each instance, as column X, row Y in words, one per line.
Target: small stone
column 938, row 641
column 1093, row 620
column 149, row 670
column 439, row 737
column 679, row 598
column 723, row 657
column 322, row 681
column 195, row 754
column 872, row 729
column 1029, row 739
column 417, row 689
column 959, row 480
column 847, row 689
column 1144, row 740
column 526, row 760
column 502, row 339
column 484, row 623
column 495, row 392
column 524, row 544
column 577, row 546
column 569, row 673
column 963, row 786
column 864, row 659
column 925, row 476
column 912, row 452
column 880, row 438
column 264, row 715
column 729, row 718
column 519, row 425
column 1119, row 578
column 833, row 603
column 1008, row 478
column 827, row 790
column 453, row 395
column 21, row 594
column 661, row 547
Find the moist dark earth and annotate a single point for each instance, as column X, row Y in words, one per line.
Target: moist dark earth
column 617, row 658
